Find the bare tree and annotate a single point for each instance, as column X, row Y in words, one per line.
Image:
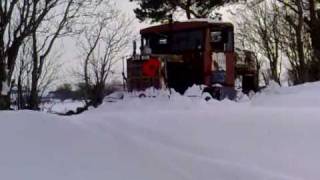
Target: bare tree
column 57, row 25
column 22, row 72
column 104, row 39
column 44, row 21
column 284, row 30
column 297, row 40
column 24, row 78
column 259, row 30
column 18, row 20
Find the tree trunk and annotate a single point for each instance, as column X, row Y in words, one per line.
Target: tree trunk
column 33, row 101
column 303, row 72
column 20, row 101
column 188, row 13
column 274, row 70
column 4, row 98
column 315, row 40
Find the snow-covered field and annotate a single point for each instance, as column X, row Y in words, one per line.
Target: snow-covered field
column 275, row 136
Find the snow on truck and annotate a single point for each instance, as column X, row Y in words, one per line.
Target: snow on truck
column 179, row 55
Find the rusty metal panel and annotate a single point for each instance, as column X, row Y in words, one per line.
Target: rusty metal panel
column 230, row 65
column 180, row 26
column 136, row 80
column 207, row 59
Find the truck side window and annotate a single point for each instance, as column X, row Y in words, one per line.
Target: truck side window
column 216, row 36
column 221, row 40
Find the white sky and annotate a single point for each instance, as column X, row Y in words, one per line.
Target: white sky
column 127, row 7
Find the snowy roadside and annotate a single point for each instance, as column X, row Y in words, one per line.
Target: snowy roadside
column 274, row 137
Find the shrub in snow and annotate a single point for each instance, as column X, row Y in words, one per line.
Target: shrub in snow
column 272, row 88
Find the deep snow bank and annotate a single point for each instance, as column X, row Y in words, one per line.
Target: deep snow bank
column 302, row 96
column 160, row 138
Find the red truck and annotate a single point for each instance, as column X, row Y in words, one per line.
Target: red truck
column 180, row 54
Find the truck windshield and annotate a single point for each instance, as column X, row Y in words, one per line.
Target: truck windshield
column 175, row 42
column 184, row 41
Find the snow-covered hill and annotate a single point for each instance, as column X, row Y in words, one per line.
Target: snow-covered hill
column 274, row 137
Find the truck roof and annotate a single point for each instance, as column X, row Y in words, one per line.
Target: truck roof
column 185, row 25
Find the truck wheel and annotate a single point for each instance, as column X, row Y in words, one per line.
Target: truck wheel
column 142, row 95
column 206, row 96
column 214, row 93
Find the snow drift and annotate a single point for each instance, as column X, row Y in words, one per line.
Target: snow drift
column 302, row 96
column 174, row 139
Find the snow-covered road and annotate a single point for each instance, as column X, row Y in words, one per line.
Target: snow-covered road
column 273, row 137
